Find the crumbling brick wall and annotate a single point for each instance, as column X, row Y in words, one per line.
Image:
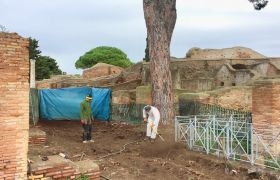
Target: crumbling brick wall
column 202, row 74
column 266, row 102
column 266, row 111
column 101, row 69
column 14, row 106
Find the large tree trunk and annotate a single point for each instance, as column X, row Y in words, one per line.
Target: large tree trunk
column 160, row 17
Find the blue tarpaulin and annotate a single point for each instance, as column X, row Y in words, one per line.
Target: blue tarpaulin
column 64, row 104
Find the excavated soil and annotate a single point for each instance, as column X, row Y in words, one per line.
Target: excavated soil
column 162, row 160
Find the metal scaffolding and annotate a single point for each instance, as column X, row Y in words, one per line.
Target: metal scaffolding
column 233, row 137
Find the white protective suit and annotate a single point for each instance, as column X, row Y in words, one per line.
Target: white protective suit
column 153, row 118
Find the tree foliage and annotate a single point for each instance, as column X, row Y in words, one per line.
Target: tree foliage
column 3, row 28
column 45, row 66
column 259, row 4
column 34, row 52
column 103, row 54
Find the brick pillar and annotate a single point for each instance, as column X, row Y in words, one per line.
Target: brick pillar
column 266, row 102
column 266, row 110
column 32, row 73
column 14, row 106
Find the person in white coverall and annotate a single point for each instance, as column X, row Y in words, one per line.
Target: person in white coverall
column 151, row 116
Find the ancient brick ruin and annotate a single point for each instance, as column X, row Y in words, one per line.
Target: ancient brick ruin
column 266, row 106
column 14, row 106
column 100, row 70
column 224, row 76
column 60, row 168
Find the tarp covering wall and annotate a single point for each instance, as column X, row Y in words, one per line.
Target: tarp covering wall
column 101, row 103
column 62, row 104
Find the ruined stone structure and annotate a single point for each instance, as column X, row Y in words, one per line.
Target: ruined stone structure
column 266, row 102
column 226, row 82
column 126, row 79
column 60, row 168
column 266, row 112
column 225, row 53
column 101, row 69
column 14, row 106
column 224, row 76
column 203, row 75
column 60, row 81
column 236, row 98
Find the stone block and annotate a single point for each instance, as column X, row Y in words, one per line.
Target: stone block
column 121, row 97
column 143, row 95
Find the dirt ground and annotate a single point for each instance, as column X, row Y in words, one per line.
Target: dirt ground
column 140, row 159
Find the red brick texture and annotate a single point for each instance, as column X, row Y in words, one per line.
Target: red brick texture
column 37, row 140
column 100, row 70
column 59, row 168
column 266, row 106
column 62, row 172
column 14, row 106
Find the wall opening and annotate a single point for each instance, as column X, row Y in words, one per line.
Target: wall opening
column 233, row 84
column 239, row 66
column 222, row 84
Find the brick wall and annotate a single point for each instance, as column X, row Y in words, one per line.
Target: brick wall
column 123, row 97
column 266, row 112
column 14, row 106
column 100, row 70
column 190, row 70
column 45, row 84
column 233, row 98
column 266, row 102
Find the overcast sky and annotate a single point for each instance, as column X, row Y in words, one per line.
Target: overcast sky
column 66, row 29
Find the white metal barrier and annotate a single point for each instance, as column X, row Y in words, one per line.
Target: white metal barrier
column 233, row 137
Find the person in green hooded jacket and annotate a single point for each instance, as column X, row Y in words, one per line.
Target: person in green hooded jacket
column 86, row 118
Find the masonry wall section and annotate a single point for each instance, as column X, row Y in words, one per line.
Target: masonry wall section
column 14, row 106
column 266, row 108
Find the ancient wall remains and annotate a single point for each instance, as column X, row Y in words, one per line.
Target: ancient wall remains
column 198, row 75
column 60, row 168
column 225, row 53
column 198, row 85
column 235, row 98
column 61, row 81
column 123, row 97
column 14, row 106
column 100, row 70
column 266, row 112
column 144, row 95
column 195, row 75
column 266, row 102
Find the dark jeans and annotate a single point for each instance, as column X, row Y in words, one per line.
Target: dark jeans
column 87, row 132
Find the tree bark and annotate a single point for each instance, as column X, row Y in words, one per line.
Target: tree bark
column 160, row 17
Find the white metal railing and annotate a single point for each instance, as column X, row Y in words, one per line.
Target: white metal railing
column 232, row 136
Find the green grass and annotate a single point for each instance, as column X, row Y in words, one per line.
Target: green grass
column 270, row 162
column 82, row 177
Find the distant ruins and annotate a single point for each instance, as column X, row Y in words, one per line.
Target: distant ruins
column 222, row 77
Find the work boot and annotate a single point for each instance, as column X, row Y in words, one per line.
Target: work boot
column 91, row 140
column 152, row 141
column 146, row 138
column 84, row 142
